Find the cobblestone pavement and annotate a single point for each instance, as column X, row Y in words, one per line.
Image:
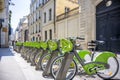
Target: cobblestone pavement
column 14, row 67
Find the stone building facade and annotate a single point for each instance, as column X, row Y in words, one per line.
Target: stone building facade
column 22, row 31
column 43, row 17
column 100, row 20
column 4, row 21
column 89, row 19
column 34, row 20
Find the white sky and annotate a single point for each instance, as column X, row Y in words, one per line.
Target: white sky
column 20, row 9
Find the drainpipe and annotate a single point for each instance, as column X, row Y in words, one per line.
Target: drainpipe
column 54, row 18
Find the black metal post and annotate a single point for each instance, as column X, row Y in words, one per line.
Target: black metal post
column 46, row 72
column 61, row 75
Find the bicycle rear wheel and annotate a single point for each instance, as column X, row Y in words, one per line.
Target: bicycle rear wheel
column 55, row 66
column 111, row 71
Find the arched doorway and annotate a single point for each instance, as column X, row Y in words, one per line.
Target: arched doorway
column 108, row 24
column 26, row 35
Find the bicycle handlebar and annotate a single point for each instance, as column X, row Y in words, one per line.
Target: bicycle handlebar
column 97, row 42
column 74, row 38
column 80, row 38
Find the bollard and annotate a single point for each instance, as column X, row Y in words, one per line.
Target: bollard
column 47, row 73
column 61, row 75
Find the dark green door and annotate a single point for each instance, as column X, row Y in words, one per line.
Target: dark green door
column 108, row 24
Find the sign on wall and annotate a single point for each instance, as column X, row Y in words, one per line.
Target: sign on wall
column 4, row 29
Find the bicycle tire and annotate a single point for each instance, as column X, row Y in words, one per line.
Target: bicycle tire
column 57, row 58
column 43, row 60
column 116, row 71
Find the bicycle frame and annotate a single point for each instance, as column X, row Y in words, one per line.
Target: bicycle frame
column 93, row 66
column 96, row 65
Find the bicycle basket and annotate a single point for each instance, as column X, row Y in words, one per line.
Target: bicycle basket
column 66, row 45
column 43, row 45
column 52, row 45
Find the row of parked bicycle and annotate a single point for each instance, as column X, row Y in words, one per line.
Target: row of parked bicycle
column 63, row 59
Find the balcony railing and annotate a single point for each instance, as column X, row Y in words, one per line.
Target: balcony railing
column 68, row 14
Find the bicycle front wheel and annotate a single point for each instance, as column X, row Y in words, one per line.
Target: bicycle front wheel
column 111, row 71
column 55, row 66
column 44, row 60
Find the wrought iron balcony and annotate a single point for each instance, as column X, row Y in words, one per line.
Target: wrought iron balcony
column 68, row 14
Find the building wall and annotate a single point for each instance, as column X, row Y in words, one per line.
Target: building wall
column 88, row 19
column 1, row 5
column 55, row 6
column 48, row 28
column 16, row 36
column 61, row 4
column 34, row 20
column 49, row 24
column 68, row 27
column 24, row 28
column 82, row 25
column 20, row 30
column 4, row 15
column 45, row 9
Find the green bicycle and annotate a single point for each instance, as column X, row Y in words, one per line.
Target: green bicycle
column 102, row 64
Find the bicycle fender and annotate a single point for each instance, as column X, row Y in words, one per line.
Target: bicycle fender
column 104, row 56
column 83, row 53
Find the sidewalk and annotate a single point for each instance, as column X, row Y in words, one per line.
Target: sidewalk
column 14, row 67
column 9, row 69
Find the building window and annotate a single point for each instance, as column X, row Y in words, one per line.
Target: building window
column 33, row 38
column 43, row 2
column 36, row 28
column 36, row 16
column 50, row 34
column 67, row 9
column 50, row 14
column 39, row 2
column 33, row 29
column 39, row 14
column 45, row 35
column 37, row 39
column 44, row 17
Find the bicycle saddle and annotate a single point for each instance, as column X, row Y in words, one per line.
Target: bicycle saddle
column 100, row 42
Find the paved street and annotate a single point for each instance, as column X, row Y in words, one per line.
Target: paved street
column 14, row 67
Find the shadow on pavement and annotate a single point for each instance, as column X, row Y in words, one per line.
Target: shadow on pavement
column 5, row 52
column 87, row 76
column 92, row 76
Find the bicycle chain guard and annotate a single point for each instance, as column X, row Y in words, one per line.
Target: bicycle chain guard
column 93, row 67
